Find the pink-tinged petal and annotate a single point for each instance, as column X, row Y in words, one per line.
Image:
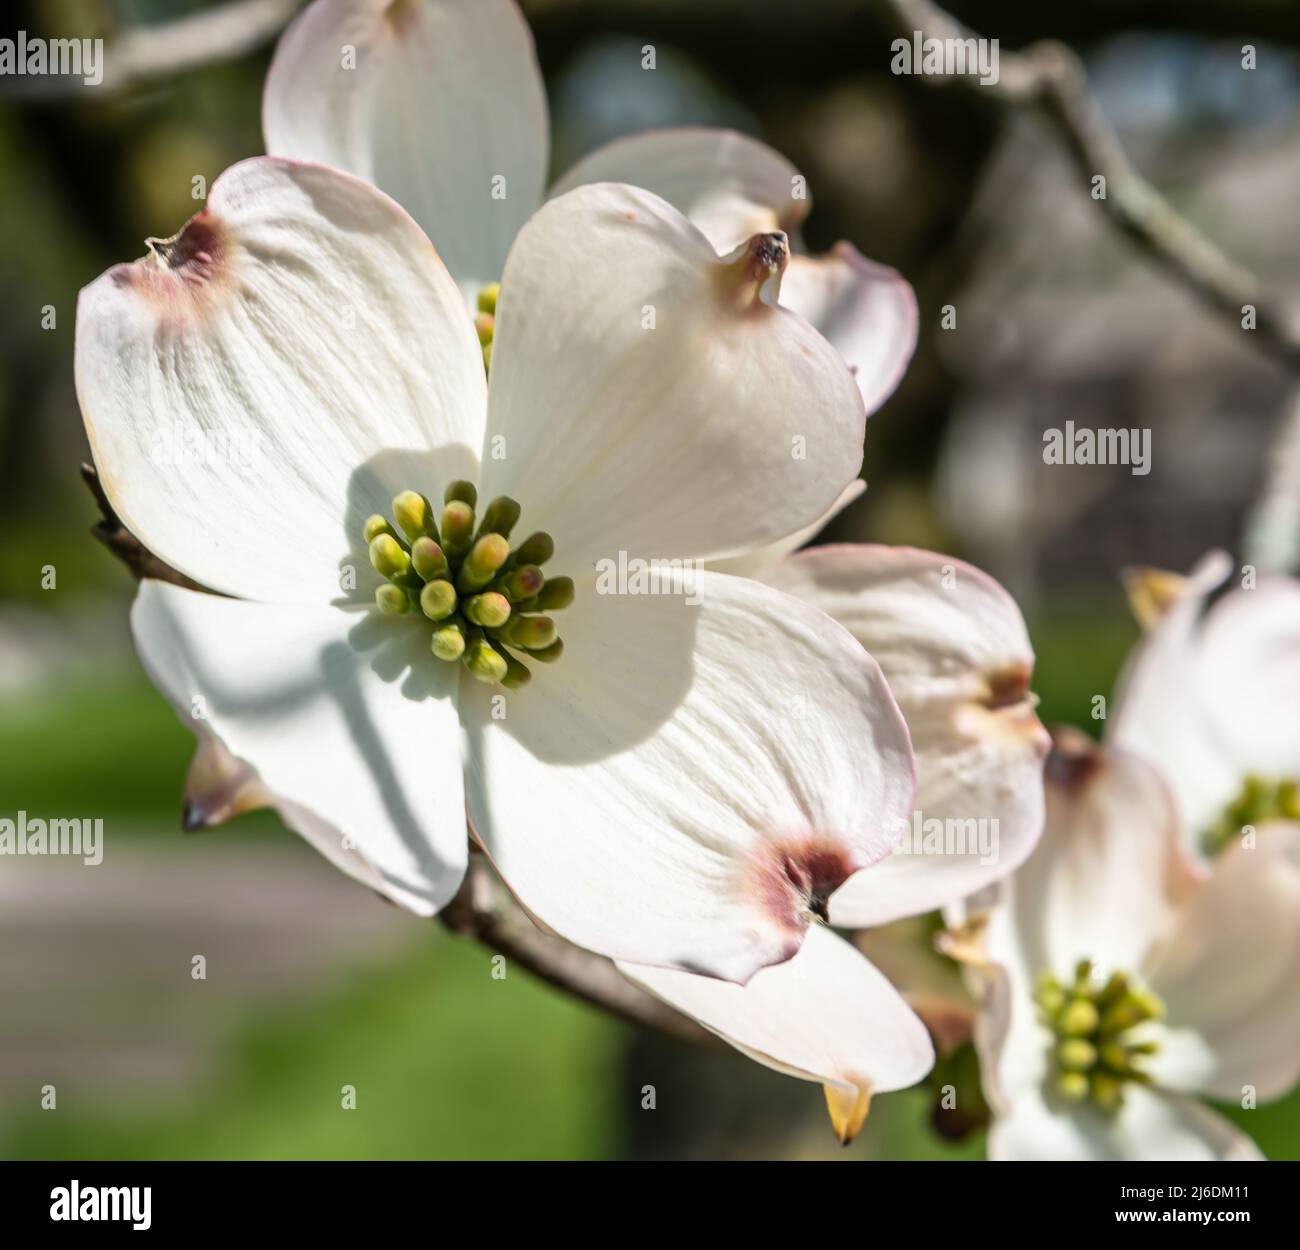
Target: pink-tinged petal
column 1149, row 1126
column 647, row 397
column 867, row 311
column 692, row 779
column 729, row 185
column 440, row 103
column 953, row 647
column 350, row 733
column 260, row 384
column 826, row 1015
column 1229, row 975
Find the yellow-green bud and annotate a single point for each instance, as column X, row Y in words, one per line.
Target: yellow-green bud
column 1076, row 1054
column 375, row 526
column 490, row 610
column 523, row 583
column 533, row 633
column 487, row 297
column 414, row 514
column 392, row 600
column 387, row 556
column 484, row 326
column 1106, row 1091
column 457, row 527
column 438, row 600
column 516, row 674
column 548, row 655
column 489, row 553
column 536, row 549
column 1072, row 1085
column 556, row 594
column 500, row 516
column 1079, row 1018
column 484, row 661
column 428, row 559
column 448, row 642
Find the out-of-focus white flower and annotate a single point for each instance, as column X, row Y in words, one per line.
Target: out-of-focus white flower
column 441, row 104
column 660, row 792
column 1211, row 698
column 1120, row 979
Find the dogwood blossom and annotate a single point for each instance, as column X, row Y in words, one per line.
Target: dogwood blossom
column 441, row 104
column 1120, row 979
column 1211, row 697
column 659, row 793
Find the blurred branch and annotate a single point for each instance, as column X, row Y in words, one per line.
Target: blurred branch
column 143, row 53
column 1049, row 77
column 483, row 909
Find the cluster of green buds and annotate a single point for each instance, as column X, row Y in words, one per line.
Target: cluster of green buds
column 1094, row 1047
column 1259, row 800
column 485, row 319
column 484, row 599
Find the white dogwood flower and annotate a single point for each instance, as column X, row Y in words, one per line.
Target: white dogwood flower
column 1211, row 697
column 1122, row 979
column 441, row 104
column 702, row 767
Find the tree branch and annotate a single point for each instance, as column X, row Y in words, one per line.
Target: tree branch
column 144, row 53
column 1048, row 76
column 483, row 909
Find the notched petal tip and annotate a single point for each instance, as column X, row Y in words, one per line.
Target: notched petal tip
column 750, row 276
column 848, row 1105
column 791, row 881
column 1005, row 709
column 218, row 788
column 1073, row 761
column 192, row 262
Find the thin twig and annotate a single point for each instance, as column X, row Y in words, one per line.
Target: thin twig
column 485, row 911
column 1049, row 76
column 145, row 53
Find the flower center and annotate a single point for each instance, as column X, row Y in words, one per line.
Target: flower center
column 485, row 320
column 1097, row 1038
column 483, row 598
column 1259, row 800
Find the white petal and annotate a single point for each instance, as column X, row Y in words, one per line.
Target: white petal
column 258, row 386
column 1150, row 1126
column 1248, row 663
column 1108, row 875
column 319, row 705
column 826, row 1015
column 442, row 98
column 1229, row 974
column 729, row 185
column 644, row 398
column 866, row 310
column 688, row 781
column 757, row 562
column 953, row 647
column 1159, row 710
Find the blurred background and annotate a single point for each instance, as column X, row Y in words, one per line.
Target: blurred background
column 312, row 982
